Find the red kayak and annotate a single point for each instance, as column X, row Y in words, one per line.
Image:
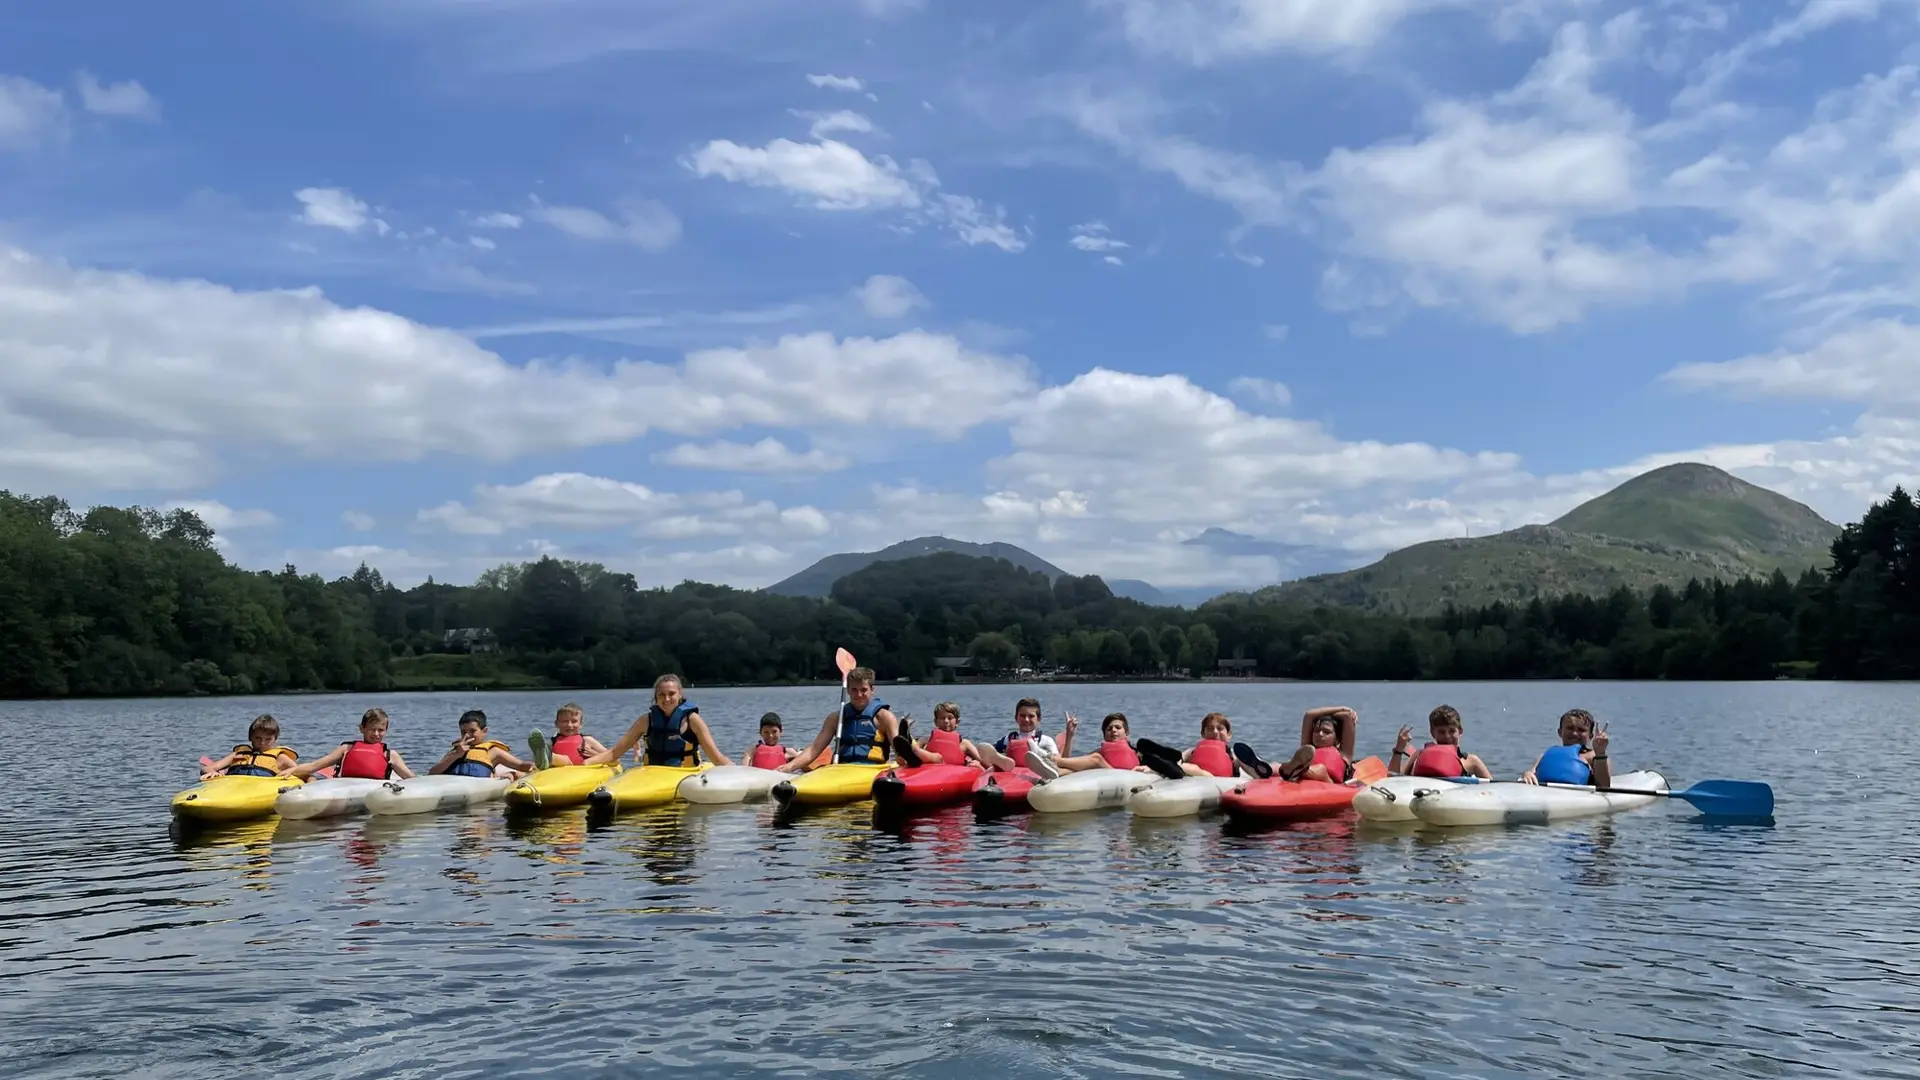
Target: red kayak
column 1275, row 799
column 996, row 792
column 925, row 786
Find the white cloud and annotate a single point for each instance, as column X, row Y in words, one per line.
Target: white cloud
column 830, row 174
column 769, row 455
column 644, row 223
column 887, row 296
column 482, row 243
column 222, row 518
column 825, row 124
column 1094, row 236
column 336, row 208
column 1275, row 332
column 357, row 520
column 837, row 82
column 1266, row 391
column 124, row 99
column 117, row 381
column 976, row 223
column 1876, row 363
column 1206, row 32
column 30, row 114
column 497, row 220
column 578, row 502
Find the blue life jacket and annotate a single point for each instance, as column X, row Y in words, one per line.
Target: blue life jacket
column 860, row 734
column 469, row 767
column 667, row 742
column 1562, row 765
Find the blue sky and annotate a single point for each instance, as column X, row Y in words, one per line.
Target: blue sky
column 710, row 289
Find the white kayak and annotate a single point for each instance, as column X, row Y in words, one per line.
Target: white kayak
column 425, row 794
column 730, row 784
column 1510, row 802
column 325, row 798
column 1184, row 797
column 1392, row 799
column 1088, row 789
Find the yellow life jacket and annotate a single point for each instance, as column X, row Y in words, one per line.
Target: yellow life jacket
column 250, row 762
column 478, row 760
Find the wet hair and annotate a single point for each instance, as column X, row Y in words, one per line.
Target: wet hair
column 371, row 715
column 569, row 707
column 1222, row 717
column 475, row 715
column 264, row 724
column 1027, row 703
column 1444, row 714
column 1120, row 716
column 947, row 707
column 860, row 675
column 771, row 720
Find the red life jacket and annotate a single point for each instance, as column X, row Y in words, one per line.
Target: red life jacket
column 1119, row 754
column 366, row 761
column 1017, row 750
column 947, row 745
column 1328, row 757
column 1212, row 755
column 768, row 757
column 1435, row 759
column 571, row 748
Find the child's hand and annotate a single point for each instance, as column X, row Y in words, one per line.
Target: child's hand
column 1073, row 724
column 1600, row 740
column 1403, row 740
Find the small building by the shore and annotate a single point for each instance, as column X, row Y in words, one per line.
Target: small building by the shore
column 1238, row 668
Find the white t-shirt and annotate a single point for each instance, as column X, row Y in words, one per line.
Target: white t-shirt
column 1040, row 739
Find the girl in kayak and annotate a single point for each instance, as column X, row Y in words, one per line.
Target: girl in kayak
column 864, row 726
column 473, row 754
column 260, row 755
column 768, row 753
column 568, row 746
column 675, row 734
column 1115, row 751
column 943, row 746
column 1010, row 752
column 1213, row 755
column 1326, row 748
column 368, row 758
column 1442, row 757
column 1573, row 761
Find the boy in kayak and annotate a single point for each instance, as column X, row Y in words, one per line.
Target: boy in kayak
column 1326, row 748
column 473, row 754
column 260, row 755
column 943, row 746
column 768, row 753
column 1573, row 762
column 672, row 729
column 1115, row 751
column 1442, row 757
column 568, row 745
column 1010, row 751
column 865, row 727
column 367, row 758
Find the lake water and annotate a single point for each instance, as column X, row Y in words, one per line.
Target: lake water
column 713, row 941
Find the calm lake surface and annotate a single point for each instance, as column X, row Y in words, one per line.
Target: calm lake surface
column 713, row 941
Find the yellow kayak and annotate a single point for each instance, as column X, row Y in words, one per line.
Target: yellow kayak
column 842, row 782
column 559, row 787
column 648, row 785
column 231, row 798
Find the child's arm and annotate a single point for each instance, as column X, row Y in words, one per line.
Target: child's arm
column 502, row 756
column 285, row 762
column 1601, row 768
column 332, row 758
column 208, row 772
column 1473, row 766
column 804, row 758
column 1313, row 715
column 1531, row 775
column 590, row 745
column 399, row 765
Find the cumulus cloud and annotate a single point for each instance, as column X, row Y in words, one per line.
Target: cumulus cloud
column 837, row 82
column 644, row 223
column 222, row 518
column 579, row 502
column 30, row 114
column 769, row 455
column 1266, row 391
column 888, row 296
column 830, row 123
column 497, row 220
column 357, row 520
column 336, row 208
column 124, row 99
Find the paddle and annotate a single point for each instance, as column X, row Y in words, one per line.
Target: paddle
column 1716, row 798
column 843, row 660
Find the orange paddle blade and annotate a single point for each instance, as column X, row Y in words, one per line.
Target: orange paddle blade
column 844, row 660
column 1369, row 770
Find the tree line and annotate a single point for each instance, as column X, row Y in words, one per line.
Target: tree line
column 131, row 601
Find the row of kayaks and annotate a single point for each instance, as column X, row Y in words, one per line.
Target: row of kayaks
column 1373, row 795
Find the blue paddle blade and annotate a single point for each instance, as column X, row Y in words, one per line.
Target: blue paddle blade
column 1730, row 798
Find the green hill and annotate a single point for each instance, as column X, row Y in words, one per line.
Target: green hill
column 1660, row 528
column 817, row 580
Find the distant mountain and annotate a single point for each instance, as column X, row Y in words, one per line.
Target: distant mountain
column 1190, row 596
column 1662, row 527
column 1295, row 560
column 817, row 580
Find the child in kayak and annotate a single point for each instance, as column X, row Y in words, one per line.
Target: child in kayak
column 367, row 758
column 473, row 754
column 260, row 755
column 672, row 730
column 943, row 746
column 1573, row 762
column 1115, row 751
column 768, row 753
column 1326, row 748
column 864, row 726
column 568, row 745
column 1442, row 757
column 1213, row 755
column 1010, row 752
